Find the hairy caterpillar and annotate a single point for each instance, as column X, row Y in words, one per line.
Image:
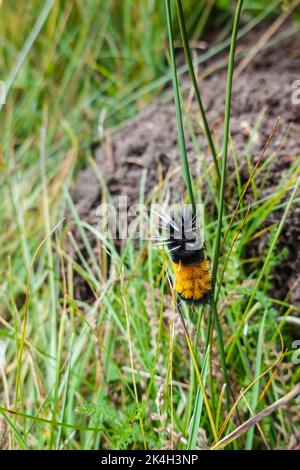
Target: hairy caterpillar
column 191, row 267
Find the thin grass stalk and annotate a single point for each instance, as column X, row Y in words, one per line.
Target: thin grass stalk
column 181, row 138
column 213, row 316
column 189, row 61
column 192, row 375
column 226, row 135
column 215, row 319
column 242, row 394
column 264, row 269
column 197, row 413
column 240, row 228
column 39, row 419
column 254, row 420
column 28, row 45
column 123, row 293
column 64, row 404
column 24, row 323
column 257, row 372
column 198, row 374
column 266, row 146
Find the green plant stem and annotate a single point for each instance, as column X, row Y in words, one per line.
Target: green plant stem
column 213, row 316
column 198, row 374
column 226, row 136
column 216, row 322
column 59, row 435
column 181, row 138
column 189, row 61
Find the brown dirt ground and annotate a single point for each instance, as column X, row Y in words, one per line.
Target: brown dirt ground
column 149, row 142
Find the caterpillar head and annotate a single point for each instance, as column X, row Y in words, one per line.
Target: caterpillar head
column 184, row 243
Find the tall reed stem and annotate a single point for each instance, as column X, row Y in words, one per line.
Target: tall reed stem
column 181, row 138
column 189, row 61
column 213, row 314
column 226, row 135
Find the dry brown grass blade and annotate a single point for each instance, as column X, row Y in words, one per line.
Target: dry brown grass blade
column 258, row 425
column 243, row 393
column 257, row 418
column 268, row 385
column 22, row 339
column 123, row 294
column 265, row 38
column 231, row 248
column 266, row 146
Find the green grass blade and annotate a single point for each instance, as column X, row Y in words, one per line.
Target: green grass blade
column 189, row 61
column 226, row 135
column 16, row 433
column 182, row 145
column 257, row 373
column 198, row 375
column 195, row 421
column 28, row 44
column 58, row 441
column 263, row 270
column 213, row 318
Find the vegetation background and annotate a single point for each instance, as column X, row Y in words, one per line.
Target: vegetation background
column 118, row 372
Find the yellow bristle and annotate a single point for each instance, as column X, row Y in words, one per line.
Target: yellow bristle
column 193, row 282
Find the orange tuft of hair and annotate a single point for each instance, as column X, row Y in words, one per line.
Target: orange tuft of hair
column 193, row 282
